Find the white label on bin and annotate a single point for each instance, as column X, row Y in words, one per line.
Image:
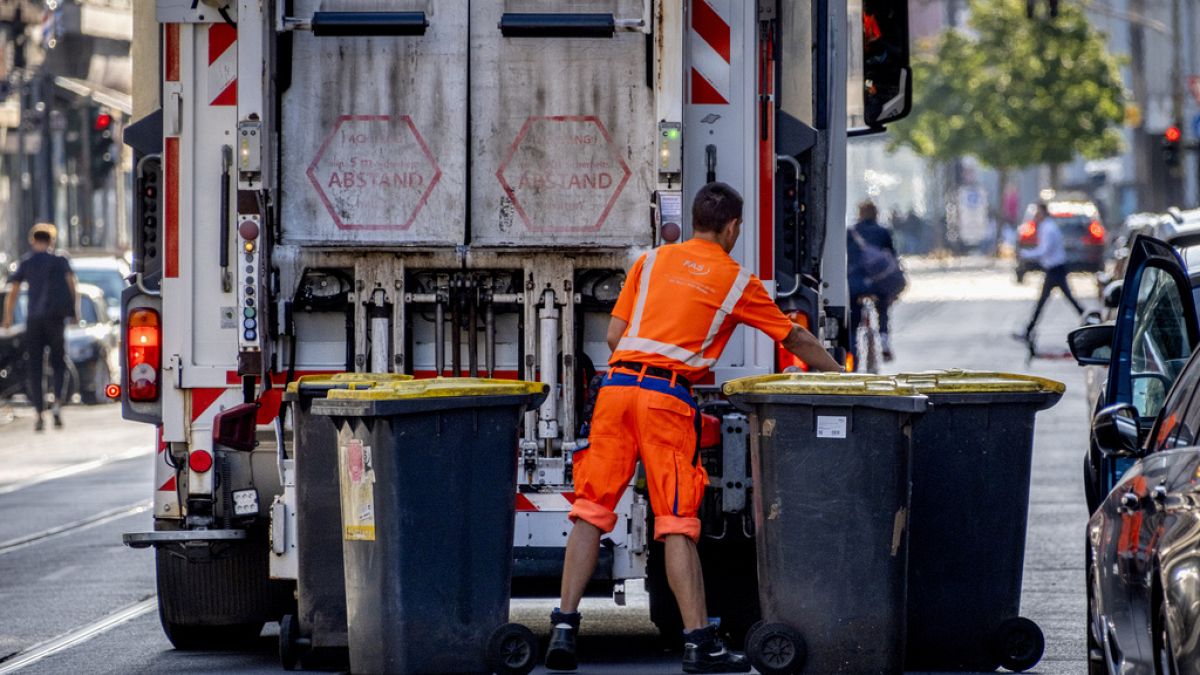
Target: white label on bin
column 831, row 427
column 358, row 492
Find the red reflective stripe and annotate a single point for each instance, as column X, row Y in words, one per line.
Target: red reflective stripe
column 203, row 398
column 171, row 230
column 703, row 92
column 221, row 36
column 711, row 27
column 766, row 173
column 523, row 503
column 171, row 49
column 168, row 486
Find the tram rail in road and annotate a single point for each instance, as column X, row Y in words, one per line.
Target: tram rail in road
column 27, row 657
column 81, row 524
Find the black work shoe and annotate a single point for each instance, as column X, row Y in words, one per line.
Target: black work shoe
column 705, row 652
column 561, row 654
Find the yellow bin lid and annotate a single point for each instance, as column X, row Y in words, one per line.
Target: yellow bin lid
column 978, row 382
column 345, row 380
column 820, row 384
column 439, row 387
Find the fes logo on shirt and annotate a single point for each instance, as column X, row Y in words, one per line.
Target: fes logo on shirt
column 699, row 269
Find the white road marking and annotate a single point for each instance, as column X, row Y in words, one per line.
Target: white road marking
column 88, row 523
column 77, row 636
column 76, row 469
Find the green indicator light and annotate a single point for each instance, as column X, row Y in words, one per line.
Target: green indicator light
column 673, row 134
column 249, row 312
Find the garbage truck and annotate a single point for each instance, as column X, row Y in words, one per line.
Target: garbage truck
column 456, row 187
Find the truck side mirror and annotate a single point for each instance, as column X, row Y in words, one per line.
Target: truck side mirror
column 880, row 77
column 1117, row 431
column 1091, row 345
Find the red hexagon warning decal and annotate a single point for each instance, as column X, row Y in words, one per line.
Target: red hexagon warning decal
column 374, row 172
column 563, row 173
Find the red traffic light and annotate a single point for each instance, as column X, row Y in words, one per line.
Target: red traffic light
column 103, row 121
column 1173, row 134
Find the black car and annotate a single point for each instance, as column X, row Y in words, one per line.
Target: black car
column 92, row 347
column 1143, row 538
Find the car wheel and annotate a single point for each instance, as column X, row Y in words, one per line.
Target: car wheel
column 1164, row 652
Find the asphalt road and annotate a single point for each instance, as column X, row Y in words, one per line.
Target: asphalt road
column 74, row 600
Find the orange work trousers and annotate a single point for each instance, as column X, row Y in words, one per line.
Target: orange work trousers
column 641, row 417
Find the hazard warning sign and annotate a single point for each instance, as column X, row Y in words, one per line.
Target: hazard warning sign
column 563, row 174
column 374, row 172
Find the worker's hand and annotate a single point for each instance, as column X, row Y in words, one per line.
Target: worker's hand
column 810, row 350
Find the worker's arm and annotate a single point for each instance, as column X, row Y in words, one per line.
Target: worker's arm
column 616, row 328
column 809, row 349
column 10, row 303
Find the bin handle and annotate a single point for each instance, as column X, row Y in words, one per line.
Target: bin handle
column 280, row 449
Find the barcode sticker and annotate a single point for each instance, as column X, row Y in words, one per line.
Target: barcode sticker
column 831, row 427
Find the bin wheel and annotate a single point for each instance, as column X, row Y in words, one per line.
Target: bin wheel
column 289, row 642
column 751, row 631
column 776, row 649
column 512, row 650
column 1018, row 644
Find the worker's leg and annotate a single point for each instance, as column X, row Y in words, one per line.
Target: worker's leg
column 687, row 580
column 579, row 563
column 1047, row 287
column 1060, row 279
column 602, row 472
column 675, row 480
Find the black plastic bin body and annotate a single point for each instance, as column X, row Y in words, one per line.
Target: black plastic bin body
column 972, row 458
column 831, row 498
column 429, row 582
column 320, row 591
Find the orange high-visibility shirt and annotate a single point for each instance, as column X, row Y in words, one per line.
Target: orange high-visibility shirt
column 682, row 302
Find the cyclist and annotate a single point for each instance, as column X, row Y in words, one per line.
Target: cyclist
column 868, row 230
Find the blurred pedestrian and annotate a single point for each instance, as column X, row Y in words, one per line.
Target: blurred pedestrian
column 867, row 232
column 51, row 301
column 1051, row 256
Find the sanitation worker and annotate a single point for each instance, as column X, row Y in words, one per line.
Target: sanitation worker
column 673, row 318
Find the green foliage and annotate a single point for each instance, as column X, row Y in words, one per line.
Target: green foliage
column 1014, row 92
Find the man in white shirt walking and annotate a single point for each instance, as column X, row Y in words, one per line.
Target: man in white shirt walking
column 1052, row 257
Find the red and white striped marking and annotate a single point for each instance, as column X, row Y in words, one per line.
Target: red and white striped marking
column 545, row 501
column 710, row 52
column 222, row 64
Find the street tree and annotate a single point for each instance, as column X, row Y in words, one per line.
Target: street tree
column 1013, row 92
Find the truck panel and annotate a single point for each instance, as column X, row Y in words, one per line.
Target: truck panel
column 373, row 135
column 562, row 132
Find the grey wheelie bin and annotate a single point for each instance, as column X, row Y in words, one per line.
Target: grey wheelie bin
column 830, row 463
column 428, row 470
column 972, row 453
column 319, row 626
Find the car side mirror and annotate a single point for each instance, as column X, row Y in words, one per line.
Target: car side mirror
column 1092, row 345
column 1117, row 431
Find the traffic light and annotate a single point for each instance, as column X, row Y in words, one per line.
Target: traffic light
column 102, row 155
column 1172, row 146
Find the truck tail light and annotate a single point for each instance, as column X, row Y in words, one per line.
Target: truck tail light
column 1096, row 231
column 143, row 340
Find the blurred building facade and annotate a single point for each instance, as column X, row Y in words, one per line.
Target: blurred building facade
column 1157, row 41
column 65, row 81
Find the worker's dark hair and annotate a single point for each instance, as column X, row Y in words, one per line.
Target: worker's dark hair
column 715, row 205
